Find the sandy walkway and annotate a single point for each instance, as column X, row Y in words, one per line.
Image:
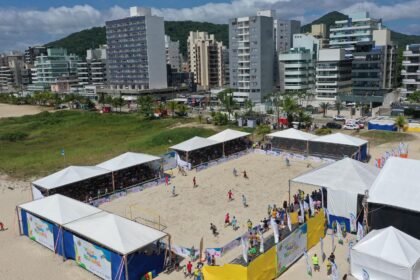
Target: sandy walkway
column 9, row 110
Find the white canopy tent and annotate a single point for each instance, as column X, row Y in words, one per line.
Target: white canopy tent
column 126, row 160
column 228, row 135
column 114, row 232
column 59, row 209
column 340, row 138
column 292, row 133
column 386, row 254
column 194, row 143
column 344, row 180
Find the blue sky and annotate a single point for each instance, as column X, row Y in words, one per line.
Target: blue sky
column 42, row 21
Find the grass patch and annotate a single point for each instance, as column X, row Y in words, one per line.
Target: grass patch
column 378, row 137
column 31, row 145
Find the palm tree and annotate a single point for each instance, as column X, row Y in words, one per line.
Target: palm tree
column 289, row 106
column 146, row 103
column 248, row 105
column 226, row 98
column 182, row 109
column 400, row 122
column 338, row 106
column 324, row 106
column 171, row 105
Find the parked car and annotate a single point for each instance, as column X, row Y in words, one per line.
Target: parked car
column 339, row 118
column 333, row 125
column 351, row 126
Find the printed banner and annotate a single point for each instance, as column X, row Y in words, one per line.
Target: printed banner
column 321, row 242
column 334, row 272
column 353, row 222
column 216, row 252
column 231, row 245
column 289, row 222
column 339, row 234
column 244, row 241
column 360, row 232
column 40, row 231
column 291, row 248
column 275, row 228
column 308, row 264
column 93, row 258
column 169, row 161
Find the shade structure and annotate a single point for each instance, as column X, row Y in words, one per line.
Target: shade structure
column 228, row 135
column 344, row 180
column 387, row 125
column 127, row 160
column 338, row 145
column 386, row 254
column 394, row 198
column 291, row 139
column 194, row 143
column 114, row 232
column 69, row 175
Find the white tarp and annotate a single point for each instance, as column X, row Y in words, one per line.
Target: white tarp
column 386, row 254
column 69, row 175
column 344, row 180
column 194, row 143
column 59, row 209
column 126, row 160
column 228, row 135
column 398, row 184
column 340, row 138
column 117, row 233
column 292, row 133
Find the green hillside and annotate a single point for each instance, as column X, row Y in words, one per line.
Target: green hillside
column 327, row 19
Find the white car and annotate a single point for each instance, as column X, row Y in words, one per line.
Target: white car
column 351, row 126
column 339, row 118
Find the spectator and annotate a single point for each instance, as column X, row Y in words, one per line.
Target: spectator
column 213, row 229
column 227, row 220
column 315, row 262
column 234, row 223
column 244, row 201
column 230, row 195
column 189, row 268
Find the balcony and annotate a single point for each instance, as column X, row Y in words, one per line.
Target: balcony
column 411, row 82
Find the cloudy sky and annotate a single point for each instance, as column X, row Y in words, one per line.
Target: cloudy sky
column 30, row 22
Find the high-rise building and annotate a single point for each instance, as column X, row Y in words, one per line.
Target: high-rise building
column 296, row 70
column 93, row 70
column 205, row 59
column 11, row 67
column 357, row 28
column 56, row 63
column 173, row 57
column 283, row 34
column 333, row 73
column 411, row 69
column 32, row 52
column 320, row 32
column 309, row 42
column 373, row 69
column 136, row 56
column 251, row 57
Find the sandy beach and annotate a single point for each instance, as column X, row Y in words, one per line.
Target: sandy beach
column 9, row 110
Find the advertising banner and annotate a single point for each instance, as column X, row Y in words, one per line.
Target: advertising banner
column 216, row 252
column 40, row 231
column 93, row 258
column 169, row 161
column 291, row 248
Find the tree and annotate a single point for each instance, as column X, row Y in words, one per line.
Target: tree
column 262, row 130
column 400, row 121
column 226, row 98
column 290, row 107
column 324, row 106
column 304, row 119
column 182, row 110
column 171, row 105
column 248, row 105
column 338, row 106
column 414, row 97
column 146, row 103
column 276, row 102
column 220, row 119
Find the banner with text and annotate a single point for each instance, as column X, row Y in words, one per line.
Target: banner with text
column 40, row 231
column 291, row 248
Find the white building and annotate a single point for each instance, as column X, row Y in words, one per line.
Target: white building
column 333, row 73
column 172, row 54
column 93, row 70
column 296, row 70
column 411, row 69
column 357, row 28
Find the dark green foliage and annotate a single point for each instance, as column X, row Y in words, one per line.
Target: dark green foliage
column 220, row 119
column 14, row 136
column 323, row 131
column 327, row 19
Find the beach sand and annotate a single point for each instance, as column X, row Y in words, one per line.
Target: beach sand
column 9, row 110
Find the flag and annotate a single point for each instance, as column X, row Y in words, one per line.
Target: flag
column 311, row 205
column 261, row 243
column 353, row 222
column 323, row 256
column 62, row 152
column 308, row 264
column 275, row 228
column 351, row 243
column 302, row 212
column 244, row 241
column 289, row 222
column 360, row 232
column 339, row 234
column 328, row 216
column 335, row 274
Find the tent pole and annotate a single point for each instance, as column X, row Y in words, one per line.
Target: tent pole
column 113, row 182
column 126, row 267
column 62, row 244
column 19, row 220
column 32, row 191
column 289, row 192
column 224, row 149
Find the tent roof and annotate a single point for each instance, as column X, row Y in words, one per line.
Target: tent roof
column 126, row 160
column 69, row 175
column 398, row 184
column 391, row 245
column 227, row 135
column 340, row 138
column 59, row 209
column 346, row 174
column 117, row 233
column 194, row 143
column 292, row 133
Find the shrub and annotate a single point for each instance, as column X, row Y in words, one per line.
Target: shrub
column 14, row 136
column 323, row 131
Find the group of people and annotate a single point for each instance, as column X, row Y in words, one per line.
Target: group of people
column 190, row 271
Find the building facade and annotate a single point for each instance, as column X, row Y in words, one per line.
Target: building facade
column 333, row 74
column 357, row 28
column 32, row 52
column 205, row 59
column 283, row 34
column 320, row 32
column 296, row 70
column 11, row 69
column 136, row 57
column 411, row 69
column 251, row 57
column 173, row 57
column 93, row 70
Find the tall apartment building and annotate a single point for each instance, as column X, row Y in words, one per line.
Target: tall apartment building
column 173, row 57
column 411, row 69
column 296, row 70
column 56, row 63
column 136, row 56
column 357, row 28
column 32, row 52
column 205, row 59
column 320, row 32
column 333, row 73
column 283, row 34
column 374, row 69
column 251, row 57
column 11, row 67
column 93, row 70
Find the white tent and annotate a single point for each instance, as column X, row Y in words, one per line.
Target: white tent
column 340, row 138
column 114, row 232
column 292, row 133
column 194, row 143
column 126, row 160
column 386, row 254
column 69, row 175
column 228, row 135
column 398, row 184
column 344, row 180
column 59, row 209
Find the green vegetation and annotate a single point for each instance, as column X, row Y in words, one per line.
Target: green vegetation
column 30, row 145
column 378, row 137
column 323, row 131
column 400, row 121
column 328, row 19
column 414, row 97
